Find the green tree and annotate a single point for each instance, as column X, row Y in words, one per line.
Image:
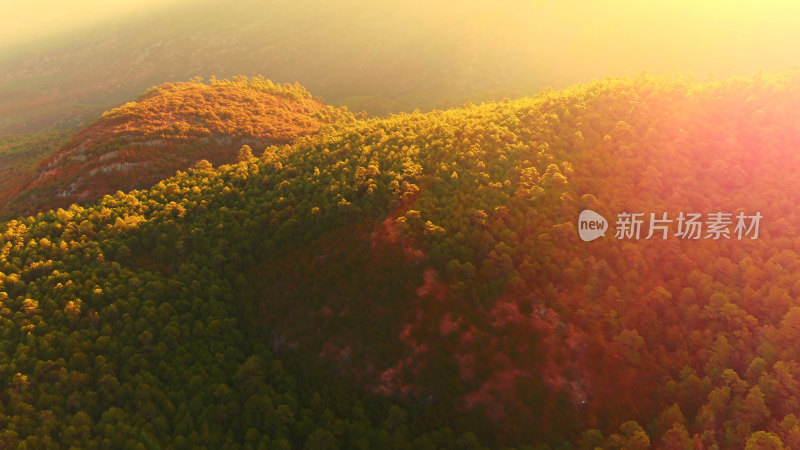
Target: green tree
column 762, row 440
column 245, row 153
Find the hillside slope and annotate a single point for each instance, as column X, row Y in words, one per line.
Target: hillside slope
column 433, row 261
column 170, row 127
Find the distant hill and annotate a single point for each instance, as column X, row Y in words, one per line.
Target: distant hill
column 170, row 127
column 418, row 281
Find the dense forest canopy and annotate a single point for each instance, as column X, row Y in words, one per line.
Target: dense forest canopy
column 418, row 281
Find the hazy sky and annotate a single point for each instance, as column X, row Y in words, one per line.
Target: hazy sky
column 22, row 21
column 620, row 37
column 617, row 36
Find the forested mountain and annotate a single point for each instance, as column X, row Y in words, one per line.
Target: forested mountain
column 418, row 281
column 170, row 127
